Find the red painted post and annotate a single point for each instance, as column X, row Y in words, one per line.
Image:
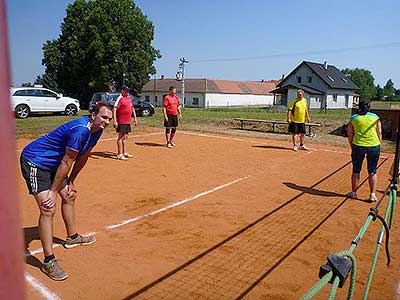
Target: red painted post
column 11, row 246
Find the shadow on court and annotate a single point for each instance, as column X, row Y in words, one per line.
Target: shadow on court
column 150, row 144
column 312, row 191
column 103, row 154
column 232, row 268
column 273, row 147
column 32, row 234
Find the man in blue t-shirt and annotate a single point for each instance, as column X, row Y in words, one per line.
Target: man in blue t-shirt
column 50, row 166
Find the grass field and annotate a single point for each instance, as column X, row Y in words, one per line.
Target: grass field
column 216, row 120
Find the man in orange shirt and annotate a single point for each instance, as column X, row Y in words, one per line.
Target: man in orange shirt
column 171, row 110
column 122, row 112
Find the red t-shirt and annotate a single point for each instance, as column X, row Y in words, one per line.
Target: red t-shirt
column 124, row 109
column 171, row 104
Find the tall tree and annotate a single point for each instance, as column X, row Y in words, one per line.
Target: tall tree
column 100, row 41
column 27, row 84
column 379, row 93
column 388, row 90
column 364, row 80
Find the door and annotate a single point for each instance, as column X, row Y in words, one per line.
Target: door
column 51, row 101
column 30, row 97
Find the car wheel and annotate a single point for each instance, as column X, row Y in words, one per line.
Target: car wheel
column 146, row 112
column 71, row 110
column 22, row 111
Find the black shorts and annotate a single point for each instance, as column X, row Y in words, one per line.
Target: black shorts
column 124, row 128
column 296, row 128
column 37, row 179
column 172, row 121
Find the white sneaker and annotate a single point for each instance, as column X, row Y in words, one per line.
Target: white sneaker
column 372, row 197
column 172, row 143
column 121, row 157
column 352, row 195
column 169, row 145
column 127, row 155
column 294, row 148
column 303, row 147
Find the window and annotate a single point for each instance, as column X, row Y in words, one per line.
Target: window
column 346, row 97
column 334, row 97
column 309, row 79
column 46, row 93
column 147, row 98
column 331, row 78
column 298, row 79
column 30, row 92
column 195, row 102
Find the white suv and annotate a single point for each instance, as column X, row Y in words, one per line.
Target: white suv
column 27, row 100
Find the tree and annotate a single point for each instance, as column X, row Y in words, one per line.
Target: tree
column 389, row 91
column 101, row 41
column 27, row 84
column 364, row 80
column 379, row 93
column 47, row 82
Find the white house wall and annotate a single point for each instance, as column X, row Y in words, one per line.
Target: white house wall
column 226, row 100
column 340, row 99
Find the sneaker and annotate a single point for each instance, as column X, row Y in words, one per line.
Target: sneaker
column 303, row 147
column 169, row 145
column 53, row 270
column 352, row 195
column 372, row 197
column 127, row 155
column 295, row 148
column 80, row 240
column 172, row 143
column 121, row 157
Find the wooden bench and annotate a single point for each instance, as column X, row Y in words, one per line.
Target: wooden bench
column 273, row 122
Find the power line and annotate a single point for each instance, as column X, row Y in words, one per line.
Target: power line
column 375, row 46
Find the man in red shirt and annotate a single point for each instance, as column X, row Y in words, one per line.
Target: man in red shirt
column 171, row 109
column 122, row 112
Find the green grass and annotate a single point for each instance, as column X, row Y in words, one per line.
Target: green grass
column 193, row 119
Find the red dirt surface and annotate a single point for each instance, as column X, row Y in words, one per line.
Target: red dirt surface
column 261, row 237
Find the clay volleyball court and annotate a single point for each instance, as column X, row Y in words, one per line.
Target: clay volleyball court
column 217, row 217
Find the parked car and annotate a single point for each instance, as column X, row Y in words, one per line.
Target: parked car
column 144, row 109
column 28, row 100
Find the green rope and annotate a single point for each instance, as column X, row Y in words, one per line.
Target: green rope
column 389, row 207
column 393, row 195
column 318, row 286
column 333, row 290
column 350, row 255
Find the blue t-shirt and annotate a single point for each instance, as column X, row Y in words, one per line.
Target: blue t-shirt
column 48, row 150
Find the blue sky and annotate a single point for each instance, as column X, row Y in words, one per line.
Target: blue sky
column 218, row 37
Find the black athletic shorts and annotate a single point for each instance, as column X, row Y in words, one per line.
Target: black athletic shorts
column 172, row 121
column 37, row 179
column 297, row 128
column 124, row 128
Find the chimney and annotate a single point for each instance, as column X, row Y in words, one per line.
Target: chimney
column 162, row 77
column 325, row 66
column 283, row 76
column 262, row 80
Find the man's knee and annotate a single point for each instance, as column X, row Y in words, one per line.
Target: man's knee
column 167, row 130
column 46, row 211
column 173, row 130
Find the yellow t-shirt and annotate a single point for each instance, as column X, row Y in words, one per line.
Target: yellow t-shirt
column 365, row 129
column 298, row 110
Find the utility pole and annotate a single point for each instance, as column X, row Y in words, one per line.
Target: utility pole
column 180, row 76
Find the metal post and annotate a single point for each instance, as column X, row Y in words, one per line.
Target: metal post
column 180, row 76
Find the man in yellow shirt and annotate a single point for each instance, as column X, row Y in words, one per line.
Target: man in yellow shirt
column 296, row 117
column 364, row 132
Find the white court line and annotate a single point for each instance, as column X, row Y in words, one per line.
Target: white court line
column 41, row 288
column 175, row 204
column 398, row 292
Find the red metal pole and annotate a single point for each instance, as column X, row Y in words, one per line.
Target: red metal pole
column 11, row 246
